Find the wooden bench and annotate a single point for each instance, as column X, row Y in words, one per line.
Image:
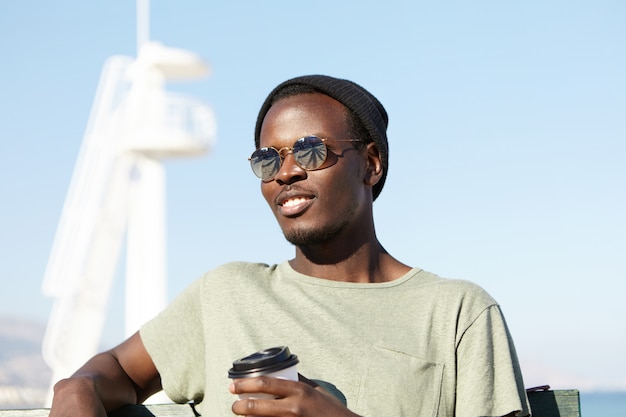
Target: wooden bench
column 543, row 402
column 558, row 403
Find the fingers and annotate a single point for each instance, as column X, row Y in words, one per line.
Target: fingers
column 266, row 396
column 262, row 385
column 254, row 407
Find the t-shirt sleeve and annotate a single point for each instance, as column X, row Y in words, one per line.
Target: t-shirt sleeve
column 175, row 342
column 489, row 380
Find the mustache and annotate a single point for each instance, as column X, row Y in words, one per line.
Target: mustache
column 293, row 191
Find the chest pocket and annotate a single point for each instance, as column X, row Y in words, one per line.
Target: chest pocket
column 398, row 384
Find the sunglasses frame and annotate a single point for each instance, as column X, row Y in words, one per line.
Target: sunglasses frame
column 289, row 150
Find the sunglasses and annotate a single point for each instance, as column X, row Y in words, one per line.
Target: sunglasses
column 309, row 153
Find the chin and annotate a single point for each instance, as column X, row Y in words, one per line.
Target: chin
column 309, row 237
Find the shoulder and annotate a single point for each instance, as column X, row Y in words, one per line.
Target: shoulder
column 236, row 274
column 240, row 268
column 453, row 285
column 464, row 293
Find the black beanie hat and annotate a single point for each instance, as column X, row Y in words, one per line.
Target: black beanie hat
column 358, row 100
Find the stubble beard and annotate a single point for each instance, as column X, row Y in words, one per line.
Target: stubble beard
column 304, row 236
column 309, row 237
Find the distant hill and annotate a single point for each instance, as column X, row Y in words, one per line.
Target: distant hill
column 24, row 376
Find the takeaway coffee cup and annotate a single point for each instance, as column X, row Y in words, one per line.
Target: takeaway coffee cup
column 276, row 362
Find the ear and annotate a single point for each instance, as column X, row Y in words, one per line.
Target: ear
column 374, row 167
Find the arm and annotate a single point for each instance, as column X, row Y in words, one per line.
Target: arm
column 109, row 380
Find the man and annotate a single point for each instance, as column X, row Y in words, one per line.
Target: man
column 374, row 336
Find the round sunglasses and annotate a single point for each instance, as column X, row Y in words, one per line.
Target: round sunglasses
column 309, row 152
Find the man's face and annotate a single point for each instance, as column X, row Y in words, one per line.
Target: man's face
column 313, row 207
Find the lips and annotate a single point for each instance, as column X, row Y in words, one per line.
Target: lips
column 293, row 204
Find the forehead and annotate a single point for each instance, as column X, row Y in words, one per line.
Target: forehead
column 301, row 115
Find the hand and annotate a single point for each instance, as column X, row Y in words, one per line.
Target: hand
column 76, row 397
column 291, row 399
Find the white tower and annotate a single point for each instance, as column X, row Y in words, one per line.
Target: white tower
column 117, row 191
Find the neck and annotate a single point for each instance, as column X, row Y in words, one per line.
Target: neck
column 368, row 262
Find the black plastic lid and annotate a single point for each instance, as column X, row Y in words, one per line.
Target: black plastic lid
column 263, row 362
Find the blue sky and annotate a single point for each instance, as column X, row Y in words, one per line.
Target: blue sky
column 507, row 148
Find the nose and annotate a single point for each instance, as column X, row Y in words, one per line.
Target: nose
column 289, row 172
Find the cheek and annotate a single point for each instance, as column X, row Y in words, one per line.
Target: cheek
column 348, row 183
column 339, row 190
column 266, row 191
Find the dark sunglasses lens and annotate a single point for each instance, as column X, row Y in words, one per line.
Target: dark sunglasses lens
column 265, row 163
column 309, row 152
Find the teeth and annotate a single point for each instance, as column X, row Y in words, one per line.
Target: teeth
column 293, row 201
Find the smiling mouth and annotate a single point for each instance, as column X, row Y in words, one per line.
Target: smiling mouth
column 294, row 206
column 292, row 202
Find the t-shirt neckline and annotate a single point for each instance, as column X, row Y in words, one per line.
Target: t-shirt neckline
column 288, row 271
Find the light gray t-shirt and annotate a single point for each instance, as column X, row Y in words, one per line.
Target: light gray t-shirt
column 416, row 346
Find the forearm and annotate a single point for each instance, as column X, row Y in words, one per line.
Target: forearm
column 99, row 386
column 124, row 375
